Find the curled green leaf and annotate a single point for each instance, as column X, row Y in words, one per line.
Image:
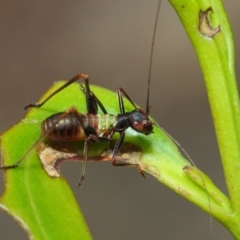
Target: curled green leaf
column 32, row 195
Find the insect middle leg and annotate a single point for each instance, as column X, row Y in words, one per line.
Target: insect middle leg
column 91, row 136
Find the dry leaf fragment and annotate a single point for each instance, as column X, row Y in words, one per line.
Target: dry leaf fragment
column 204, row 24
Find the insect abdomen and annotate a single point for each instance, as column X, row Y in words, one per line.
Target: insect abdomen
column 59, row 127
column 67, row 127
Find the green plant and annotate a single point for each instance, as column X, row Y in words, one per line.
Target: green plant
column 216, row 57
column 161, row 159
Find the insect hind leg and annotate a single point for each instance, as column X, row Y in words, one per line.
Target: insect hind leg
column 11, row 166
column 69, row 82
column 16, row 164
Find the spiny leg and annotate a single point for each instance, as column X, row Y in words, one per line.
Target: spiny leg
column 69, row 82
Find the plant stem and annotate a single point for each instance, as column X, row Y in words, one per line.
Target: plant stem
column 216, row 57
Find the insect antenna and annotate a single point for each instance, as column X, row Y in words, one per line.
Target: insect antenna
column 151, row 57
column 193, row 164
column 149, row 83
column 155, row 124
column 177, row 143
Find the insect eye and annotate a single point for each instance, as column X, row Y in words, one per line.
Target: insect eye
column 138, row 126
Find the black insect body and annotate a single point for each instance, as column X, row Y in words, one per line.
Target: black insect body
column 72, row 125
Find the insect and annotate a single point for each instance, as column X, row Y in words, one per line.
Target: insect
column 65, row 115
column 71, row 125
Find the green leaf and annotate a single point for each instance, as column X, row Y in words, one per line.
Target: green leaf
column 44, row 206
column 32, row 196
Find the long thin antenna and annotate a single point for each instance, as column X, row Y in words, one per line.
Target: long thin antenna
column 193, row 164
column 151, row 56
column 148, row 110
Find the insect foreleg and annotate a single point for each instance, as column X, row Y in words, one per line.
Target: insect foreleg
column 69, row 82
column 114, row 156
column 116, row 148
